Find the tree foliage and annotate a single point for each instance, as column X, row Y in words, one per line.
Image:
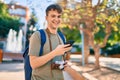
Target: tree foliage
column 31, row 24
column 103, row 17
column 75, row 34
column 7, row 21
column 99, row 23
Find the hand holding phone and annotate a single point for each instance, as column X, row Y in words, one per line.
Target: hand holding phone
column 70, row 42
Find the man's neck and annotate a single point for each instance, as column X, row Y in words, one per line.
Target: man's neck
column 53, row 31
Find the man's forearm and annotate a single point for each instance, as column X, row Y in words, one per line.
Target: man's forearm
column 74, row 74
column 39, row 61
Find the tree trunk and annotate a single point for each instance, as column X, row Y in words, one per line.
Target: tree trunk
column 86, row 48
column 97, row 56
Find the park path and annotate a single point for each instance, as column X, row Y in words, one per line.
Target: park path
column 15, row 70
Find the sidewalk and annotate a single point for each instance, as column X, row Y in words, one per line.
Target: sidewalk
column 11, row 71
column 112, row 63
column 15, row 70
column 110, row 68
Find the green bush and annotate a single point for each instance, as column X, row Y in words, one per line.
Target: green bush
column 111, row 49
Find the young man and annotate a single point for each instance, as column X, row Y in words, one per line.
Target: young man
column 54, row 49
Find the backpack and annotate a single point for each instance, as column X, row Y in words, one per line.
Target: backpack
column 27, row 67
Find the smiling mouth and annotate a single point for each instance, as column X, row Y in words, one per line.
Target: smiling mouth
column 56, row 23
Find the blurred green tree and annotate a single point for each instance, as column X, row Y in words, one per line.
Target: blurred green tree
column 74, row 36
column 7, row 21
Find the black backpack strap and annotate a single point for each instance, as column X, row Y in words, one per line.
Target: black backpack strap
column 43, row 40
column 62, row 36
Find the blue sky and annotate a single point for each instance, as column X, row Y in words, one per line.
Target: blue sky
column 24, row 2
column 21, row 2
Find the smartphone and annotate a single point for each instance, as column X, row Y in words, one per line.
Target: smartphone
column 70, row 42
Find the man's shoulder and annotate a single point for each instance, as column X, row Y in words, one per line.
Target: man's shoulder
column 38, row 32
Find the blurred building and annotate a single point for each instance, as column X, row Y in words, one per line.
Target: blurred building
column 18, row 8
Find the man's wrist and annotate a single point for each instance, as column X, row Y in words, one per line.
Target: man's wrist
column 53, row 53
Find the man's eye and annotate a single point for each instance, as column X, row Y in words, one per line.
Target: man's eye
column 53, row 16
column 59, row 16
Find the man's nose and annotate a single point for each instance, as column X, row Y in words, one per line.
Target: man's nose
column 56, row 18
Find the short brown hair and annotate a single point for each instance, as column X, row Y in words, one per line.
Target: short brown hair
column 54, row 7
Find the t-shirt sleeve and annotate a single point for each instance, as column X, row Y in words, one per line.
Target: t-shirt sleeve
column 34, row 46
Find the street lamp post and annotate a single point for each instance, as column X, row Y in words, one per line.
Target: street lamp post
column 82, row 37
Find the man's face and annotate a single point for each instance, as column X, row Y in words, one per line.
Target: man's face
column 53, row 19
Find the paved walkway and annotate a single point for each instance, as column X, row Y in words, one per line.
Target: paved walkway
column 113, row 63
column 11, row 71
column 14, row 70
